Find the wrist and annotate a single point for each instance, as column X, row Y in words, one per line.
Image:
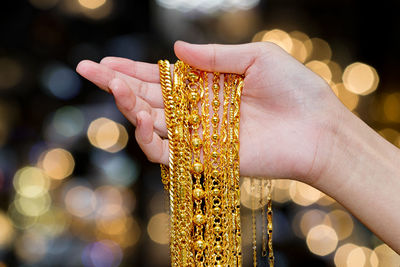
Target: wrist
column 353, row 151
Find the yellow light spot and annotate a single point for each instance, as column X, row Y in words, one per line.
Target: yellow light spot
column 342, row 223
column 391, row 107
column 336, row 71
column 19, row 220
column 99, row 12
column 311, row 219
column 280, row 38
column 321, row 69
column 322, row 240
column 361, row 79
column 92, row 4
column 31, row 182
column 57, row 163
column 280, row 190
column 107, row 135
column 33, row 206
column 349, row 99
column 6, row 230
column 158, row 228
column 80, row 201
column 325, row 200
column 299, row 50
column 321, row 49
column 258, row 36
column 304, row 39
column 387, row 256
column 342, row 254
column 356, row 257
column 126, row 233
column 53, row 223
column 115, row 226
column 303, row 194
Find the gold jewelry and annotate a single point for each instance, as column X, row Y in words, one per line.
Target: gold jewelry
column 204, row 194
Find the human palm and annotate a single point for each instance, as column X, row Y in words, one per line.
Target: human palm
column 284, row 106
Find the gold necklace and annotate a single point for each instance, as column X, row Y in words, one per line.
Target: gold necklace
column 204, row 195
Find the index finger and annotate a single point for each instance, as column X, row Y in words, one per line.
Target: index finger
column 146, row 72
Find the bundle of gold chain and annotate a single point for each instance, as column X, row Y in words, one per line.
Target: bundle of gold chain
column 202, row 176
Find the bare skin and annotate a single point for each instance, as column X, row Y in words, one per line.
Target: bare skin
column 292, row 126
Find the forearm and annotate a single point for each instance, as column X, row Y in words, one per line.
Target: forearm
column 363, row 174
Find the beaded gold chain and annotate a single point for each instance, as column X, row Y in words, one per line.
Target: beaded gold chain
column 202, row 176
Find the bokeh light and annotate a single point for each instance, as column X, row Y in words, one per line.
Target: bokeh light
column 20, row 221
column 6, row 230
column 68, row 121
column 325, row 200
column 53, row 223
column 360, row 78
column 32, row 206
column 101, row 254
column 280, row 38
column 207, row 6
column 121, row 170
column 96, row 9
column 342, row 254
column 280, row 190
column 80, row 201
column 386, row 256
column 312, row 218
column 349, row 99
column 322, row 240
column 61, row 81
column 57, row 163
column 92, row 4
column 320, row 68
column 107, row 135
column 31, row 247
column 158, row 228
column 321, row 49
column 342, row 223
column 356, row 257
column 391, row 107
column 303, row 194
column 31, row 182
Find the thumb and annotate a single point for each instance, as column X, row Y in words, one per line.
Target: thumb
column 220, row 58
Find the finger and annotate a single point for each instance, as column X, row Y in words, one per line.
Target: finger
column 143, row 71
column 152, row 145
column 220, row 58
column 101, row 75
column 130, row 106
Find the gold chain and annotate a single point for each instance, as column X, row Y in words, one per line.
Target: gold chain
column 204, row 197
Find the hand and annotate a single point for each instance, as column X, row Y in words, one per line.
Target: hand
column 292, row 126
column 288, row 113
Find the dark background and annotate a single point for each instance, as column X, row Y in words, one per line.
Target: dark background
column 36, row 39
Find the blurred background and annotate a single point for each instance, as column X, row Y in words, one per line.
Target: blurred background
column 75, row 189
